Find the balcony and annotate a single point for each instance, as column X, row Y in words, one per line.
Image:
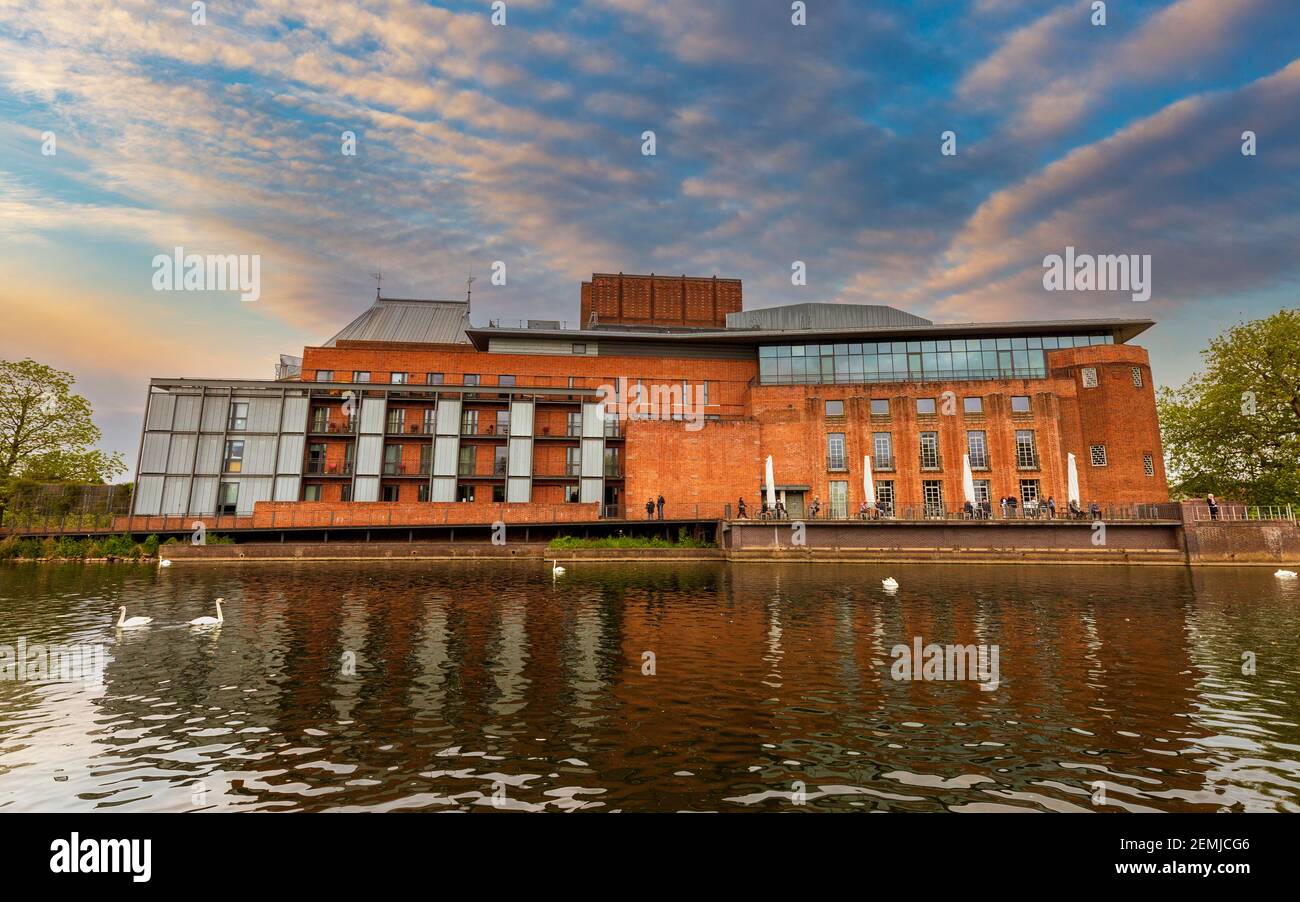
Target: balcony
column 322, row 468
column 400, row 428
column 401, row 469
column 322, row 426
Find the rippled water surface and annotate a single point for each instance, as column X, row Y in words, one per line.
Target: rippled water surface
column 489, row 686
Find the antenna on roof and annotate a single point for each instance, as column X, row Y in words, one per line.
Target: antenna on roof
column 469, row 291
column 379, row 278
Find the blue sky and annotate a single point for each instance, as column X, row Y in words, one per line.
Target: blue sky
column 522, row 143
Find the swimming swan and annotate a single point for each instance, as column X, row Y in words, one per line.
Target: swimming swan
column 210, row 621
column 1285, row 574
column 889, row 583
column 122, row 621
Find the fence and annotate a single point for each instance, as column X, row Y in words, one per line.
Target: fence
column 1277, row 513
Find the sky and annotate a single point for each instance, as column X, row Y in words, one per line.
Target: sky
column 522, row 143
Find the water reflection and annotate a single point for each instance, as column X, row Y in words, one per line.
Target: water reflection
column 488, row 687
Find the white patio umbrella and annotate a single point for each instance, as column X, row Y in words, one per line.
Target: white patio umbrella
column 771, row 486
column 967, row 481
column 1072, row 480
column 868, row 484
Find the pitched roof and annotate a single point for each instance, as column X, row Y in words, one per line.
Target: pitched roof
column 824, row 316
column 408, row 320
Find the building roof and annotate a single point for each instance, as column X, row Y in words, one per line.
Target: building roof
column 408, row 320
column 823, row 316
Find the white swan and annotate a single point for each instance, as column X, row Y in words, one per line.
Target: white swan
column 163, row 562
column 889, row 583
column 1286, row 574
column 210, row 621
column 556, row 569
column 132, row 623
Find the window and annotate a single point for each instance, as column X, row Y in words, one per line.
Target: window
column 572, row 462
column 1148, row 465
column 1137, row 377
column 345, row 492
column 570, row 494
column 925, row 406
column 320, row 419
column 1026, row 450
column 973, row 405
column 396, row 419
column 389, row 494
column 360, row 376
column 1020, row 404
column 880, row 407
column 311, row 493
column 883, row 444
column 885, row 496
column 471, row 379
column 932, row 495
column 430, row 420
column 579, row 348
column 498, row 494
column 1089, row 375
column 503, row 422
column 465, row 493
column 506, row 380
column 613, row 463
column 426, row 460
column 929, row 450
column 469, row 422
column 467, row 460
column 1098, row 455
column 708, row 393
column 500, row 456
column 433, row 379
column 228, row 498
column 398, row 378
column 316, row 458
column 573, row 425
column 839, row 496
column 422, row 492
column 983, row 490
column 238, row 416
column 393, row 460
column 324, row 375
column 835, row 451
column 977, row 447
column 234, row 458
column 834, row 408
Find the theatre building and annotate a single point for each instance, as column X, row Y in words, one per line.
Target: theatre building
column 412, row 414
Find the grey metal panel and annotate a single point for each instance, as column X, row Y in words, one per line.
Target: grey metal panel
column 366, row 488
column 259, row 455
column 181, row 455
column 521, row 417
column 176, row 496
column 519, row 490
column 644, row 348
column 591, row 491
column 253, row 490
column 520, row 460
column 287, row 488
column 370, row 451
column 448, row 417
column 593, row 457
column 264, row 415
column 153, row 456
column 290, row 455
column 209, row 454
column 216, row 410
column 562, row 347
column 161, row 405
column 446, row 450
column 188, row 408
column 203, row 498
column 444, row 488
column 391, row 319
column 372, row 416
column 148, row 495
column 295, row 415
column 593, row 421
column 824, row 316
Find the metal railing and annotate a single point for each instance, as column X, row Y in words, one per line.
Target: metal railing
column 1243, row 512
column 321, row 468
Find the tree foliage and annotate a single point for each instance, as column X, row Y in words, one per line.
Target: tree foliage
column 1234, row 429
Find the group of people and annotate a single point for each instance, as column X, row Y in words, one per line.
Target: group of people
column 651, row 504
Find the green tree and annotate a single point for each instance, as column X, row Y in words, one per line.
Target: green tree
column 1234, row 429
column 46, row 430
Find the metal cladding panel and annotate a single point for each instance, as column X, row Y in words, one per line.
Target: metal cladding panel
column 215, row 412
column 253, row 490
column 593, row 457
column 148, row 495
column 209, row 454
column 203, row 499
column 372, row 416
column 264, row 415
column 181, row 455
column 295, row 415
column 519, row 490
column 444, row 488
column 287, row 488
column 591, row 491
column 401, row 320
column 448, row 416
column 824, row 317
column 366, row 488
column 549, row 346
column 290, row 455
column 161, row 405
column 176, row 496
column 259, row 455
column 446, row 450
column 520, row 462
column 521, row 417
column 153, row 456
column 593, row 421
column 188, row 408
column 370, row 450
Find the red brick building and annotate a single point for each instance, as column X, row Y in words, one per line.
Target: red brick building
column 412, row 409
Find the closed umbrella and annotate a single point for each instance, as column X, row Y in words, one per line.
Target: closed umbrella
column 967, row 481
column 1072, row 480
column 771, row 486
column 868, row 484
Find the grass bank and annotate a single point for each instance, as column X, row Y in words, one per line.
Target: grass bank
column 683, row 540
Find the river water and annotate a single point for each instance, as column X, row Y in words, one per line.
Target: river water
column 657, row 687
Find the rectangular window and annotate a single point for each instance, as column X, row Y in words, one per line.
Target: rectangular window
column 430, row 420
column 932, row 495
column 316, row 458
column 885, row 496
column 1089, row 375
column 360, row 376
column 324, row 375
column 397, row 378
column 708, row 393
column 977, row 447
column 469, row 422
column 1026, row 450
column 834, row 408
column 507, row 381
column 1029, row 494
column 1098, row 455
column 880, row 407
column 835, row 451
column 983, row 490
column 925, row 406
column 1137, row 377
column 234, row 457
column 973, row 405
column 572, row 462
column 467, row 460
column 1148, row 465
column 320, row 418
column 228, row 498
column 426, row 459
column 573, row 425
column 238, row 416
column 433, row 379
column 883, row 444
column 839, row 495
column 396, row 420
column 929, row 450
column 613, row 464
column 389, row 494
column 571, row 494
column 471, row 379
column 311, row 493
column 345, row 492
column 503, row 422
column 500, row 456
column 498, row 494
column 393, row 460
column 1020, row 404
column 579, row 348
column 422, row 492
column 465, row 493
